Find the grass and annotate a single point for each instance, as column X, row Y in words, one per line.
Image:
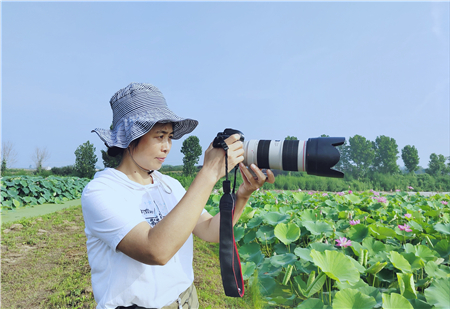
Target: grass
column 45, row 265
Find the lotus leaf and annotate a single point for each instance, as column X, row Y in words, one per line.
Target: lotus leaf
column 318, row 228
column 351, row 298
column 406, row 284
column 438, row 294
column 395, row 301
column 287, row 233
column 399, row 262
column 336, row 265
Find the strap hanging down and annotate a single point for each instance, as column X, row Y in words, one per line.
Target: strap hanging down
column 230, row 264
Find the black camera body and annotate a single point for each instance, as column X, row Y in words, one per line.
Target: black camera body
column 219, row 141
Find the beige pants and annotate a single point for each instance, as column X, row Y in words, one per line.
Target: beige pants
column 187, row 300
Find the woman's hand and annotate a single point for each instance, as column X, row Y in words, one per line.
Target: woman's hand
column 252, row 183
column 215, row 157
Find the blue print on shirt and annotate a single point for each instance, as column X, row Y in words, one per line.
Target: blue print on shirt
column 151, row 214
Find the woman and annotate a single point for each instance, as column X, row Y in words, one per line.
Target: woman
column 139, row 222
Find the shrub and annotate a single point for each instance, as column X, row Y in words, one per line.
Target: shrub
column 68, row 170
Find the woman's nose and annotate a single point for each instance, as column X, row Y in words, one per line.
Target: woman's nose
column 166, row 146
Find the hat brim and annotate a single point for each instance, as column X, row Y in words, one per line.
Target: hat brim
column 135, row 126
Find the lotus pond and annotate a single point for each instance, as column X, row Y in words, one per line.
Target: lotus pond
column 345, row 250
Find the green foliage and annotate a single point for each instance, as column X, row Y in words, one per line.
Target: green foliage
column 288, row 246
column 410, row 157
column 85, row 160
column 192, row 150
column 42, row 172
column 291, row 138
column 171, row 168
column 376, row 181
column 436, row 166
column 68, row 170
column 362, row 153
column 19, row 191
column 386, row 155
column 344, row 163
column 3, row 168
column 109, row 161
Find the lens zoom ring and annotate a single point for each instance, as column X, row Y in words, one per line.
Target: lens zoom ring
column 263, row 153
column 290, row 154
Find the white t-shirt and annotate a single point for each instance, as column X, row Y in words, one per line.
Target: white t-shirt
column 113, row 205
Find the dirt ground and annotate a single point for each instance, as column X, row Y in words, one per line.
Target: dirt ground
column 39, row 259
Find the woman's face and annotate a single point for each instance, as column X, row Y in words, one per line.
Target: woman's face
column 154, row 146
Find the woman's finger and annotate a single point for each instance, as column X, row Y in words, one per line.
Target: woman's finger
column 270, row 176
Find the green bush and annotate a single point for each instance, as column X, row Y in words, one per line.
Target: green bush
column 18, row 191
column 68, row 170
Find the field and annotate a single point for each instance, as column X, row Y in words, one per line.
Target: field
column 298, row 250
column 44, row 265
column 345, row 249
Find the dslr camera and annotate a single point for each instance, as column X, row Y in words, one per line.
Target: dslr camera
column 316, row 156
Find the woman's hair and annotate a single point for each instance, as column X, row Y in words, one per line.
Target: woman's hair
column 116, row 151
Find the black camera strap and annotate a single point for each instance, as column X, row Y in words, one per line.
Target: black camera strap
column 230, row 264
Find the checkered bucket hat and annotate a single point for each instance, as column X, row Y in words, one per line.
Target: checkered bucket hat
column 136, row 109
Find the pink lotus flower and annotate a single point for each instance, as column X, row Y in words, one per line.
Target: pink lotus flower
column 324, row 194
column 355, row 222
column 376, row 193
column 340, row 193
column 299, row 190
column 310, row 193
column 408, row 216
column 411, row 188
column 397, row 190
column 381, row 199
column 444, row 202
column 405, row 228
column 343, row 242
column 350, row 191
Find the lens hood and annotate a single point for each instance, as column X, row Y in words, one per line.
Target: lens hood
column 322, row 155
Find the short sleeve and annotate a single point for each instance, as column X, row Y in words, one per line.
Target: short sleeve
column 107, row 214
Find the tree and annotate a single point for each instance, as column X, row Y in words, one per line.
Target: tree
column 362, row 153
column 3, row 168
column 39, row 157
column 344, row 164
column 436, row 166
column 9, row 154
column 85, row 160
column 192, row 150
column 386, row 155
column 410, row 157
column 109, row 161
column 291, row 138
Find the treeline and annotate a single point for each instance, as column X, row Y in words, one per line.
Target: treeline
column 374, row 164
column 378, row 182
column 366, row 164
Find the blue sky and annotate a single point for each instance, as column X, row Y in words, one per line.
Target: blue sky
column 269, row 69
